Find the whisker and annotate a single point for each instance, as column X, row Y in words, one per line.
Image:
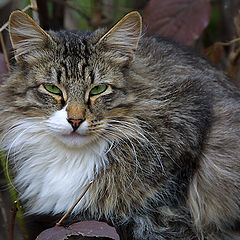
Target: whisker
column 133, row 149
column 144, row 133
column 134, row 130
column 144, row 145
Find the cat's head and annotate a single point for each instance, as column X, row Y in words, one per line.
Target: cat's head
column 75, row 82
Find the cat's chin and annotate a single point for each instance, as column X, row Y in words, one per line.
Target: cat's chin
column 74, row 139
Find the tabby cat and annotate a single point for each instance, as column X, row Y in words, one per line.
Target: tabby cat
column 151, row 123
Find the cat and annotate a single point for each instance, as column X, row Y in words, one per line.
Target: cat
column 149, row 121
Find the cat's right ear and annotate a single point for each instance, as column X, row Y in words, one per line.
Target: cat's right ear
column 26, row 36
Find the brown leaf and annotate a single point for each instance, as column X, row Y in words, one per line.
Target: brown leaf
column 80, row 230
column 214, row 53
column 181, row 20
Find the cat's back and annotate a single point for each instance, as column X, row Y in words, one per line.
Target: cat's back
column 168, row 61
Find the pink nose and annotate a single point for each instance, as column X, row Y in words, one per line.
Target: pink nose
column 75, row 123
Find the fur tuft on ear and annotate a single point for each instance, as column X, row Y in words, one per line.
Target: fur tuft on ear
column 25, row 34
column 125, row 35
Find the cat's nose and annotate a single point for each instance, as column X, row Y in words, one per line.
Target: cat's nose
column 75, row 123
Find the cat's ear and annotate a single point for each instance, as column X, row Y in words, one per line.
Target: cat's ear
column 26, row 35
column 124, row 36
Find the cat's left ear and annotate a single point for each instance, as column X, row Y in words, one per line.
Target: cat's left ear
column 26, row 36
column 123, row 38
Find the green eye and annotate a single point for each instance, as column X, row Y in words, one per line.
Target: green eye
column 52, row 89
column 98, row 89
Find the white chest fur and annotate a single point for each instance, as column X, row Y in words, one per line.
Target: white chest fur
column 49, row 174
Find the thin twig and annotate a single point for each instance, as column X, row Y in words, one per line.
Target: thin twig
column 32, row 6
column 13, row 217
column 229, row 43
column 4, row 51
column 4, row 26
column 75, row 204
column 27, row 8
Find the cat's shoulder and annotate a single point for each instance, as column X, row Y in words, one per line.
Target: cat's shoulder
column 163, row 44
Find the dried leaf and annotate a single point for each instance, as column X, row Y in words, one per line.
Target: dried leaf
column 80, row 230
column 214, row 53
column 181, row 20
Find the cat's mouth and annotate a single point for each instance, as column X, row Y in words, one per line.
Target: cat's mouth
column 75, row 139
column 74, row 134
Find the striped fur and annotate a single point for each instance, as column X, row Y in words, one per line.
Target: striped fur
column 161, row 142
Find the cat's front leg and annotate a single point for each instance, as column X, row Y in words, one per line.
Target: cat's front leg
column 151, row 227
column 145, row 229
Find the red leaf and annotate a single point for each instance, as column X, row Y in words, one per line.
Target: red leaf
column 181, row 20
column 85, row 228
column 3, row 67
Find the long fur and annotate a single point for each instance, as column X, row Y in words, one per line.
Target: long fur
column 161, row 142
column 41, row 158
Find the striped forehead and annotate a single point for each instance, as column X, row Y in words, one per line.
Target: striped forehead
column 74, row 60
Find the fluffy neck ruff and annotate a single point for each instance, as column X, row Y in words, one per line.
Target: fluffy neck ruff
column 49, row 175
